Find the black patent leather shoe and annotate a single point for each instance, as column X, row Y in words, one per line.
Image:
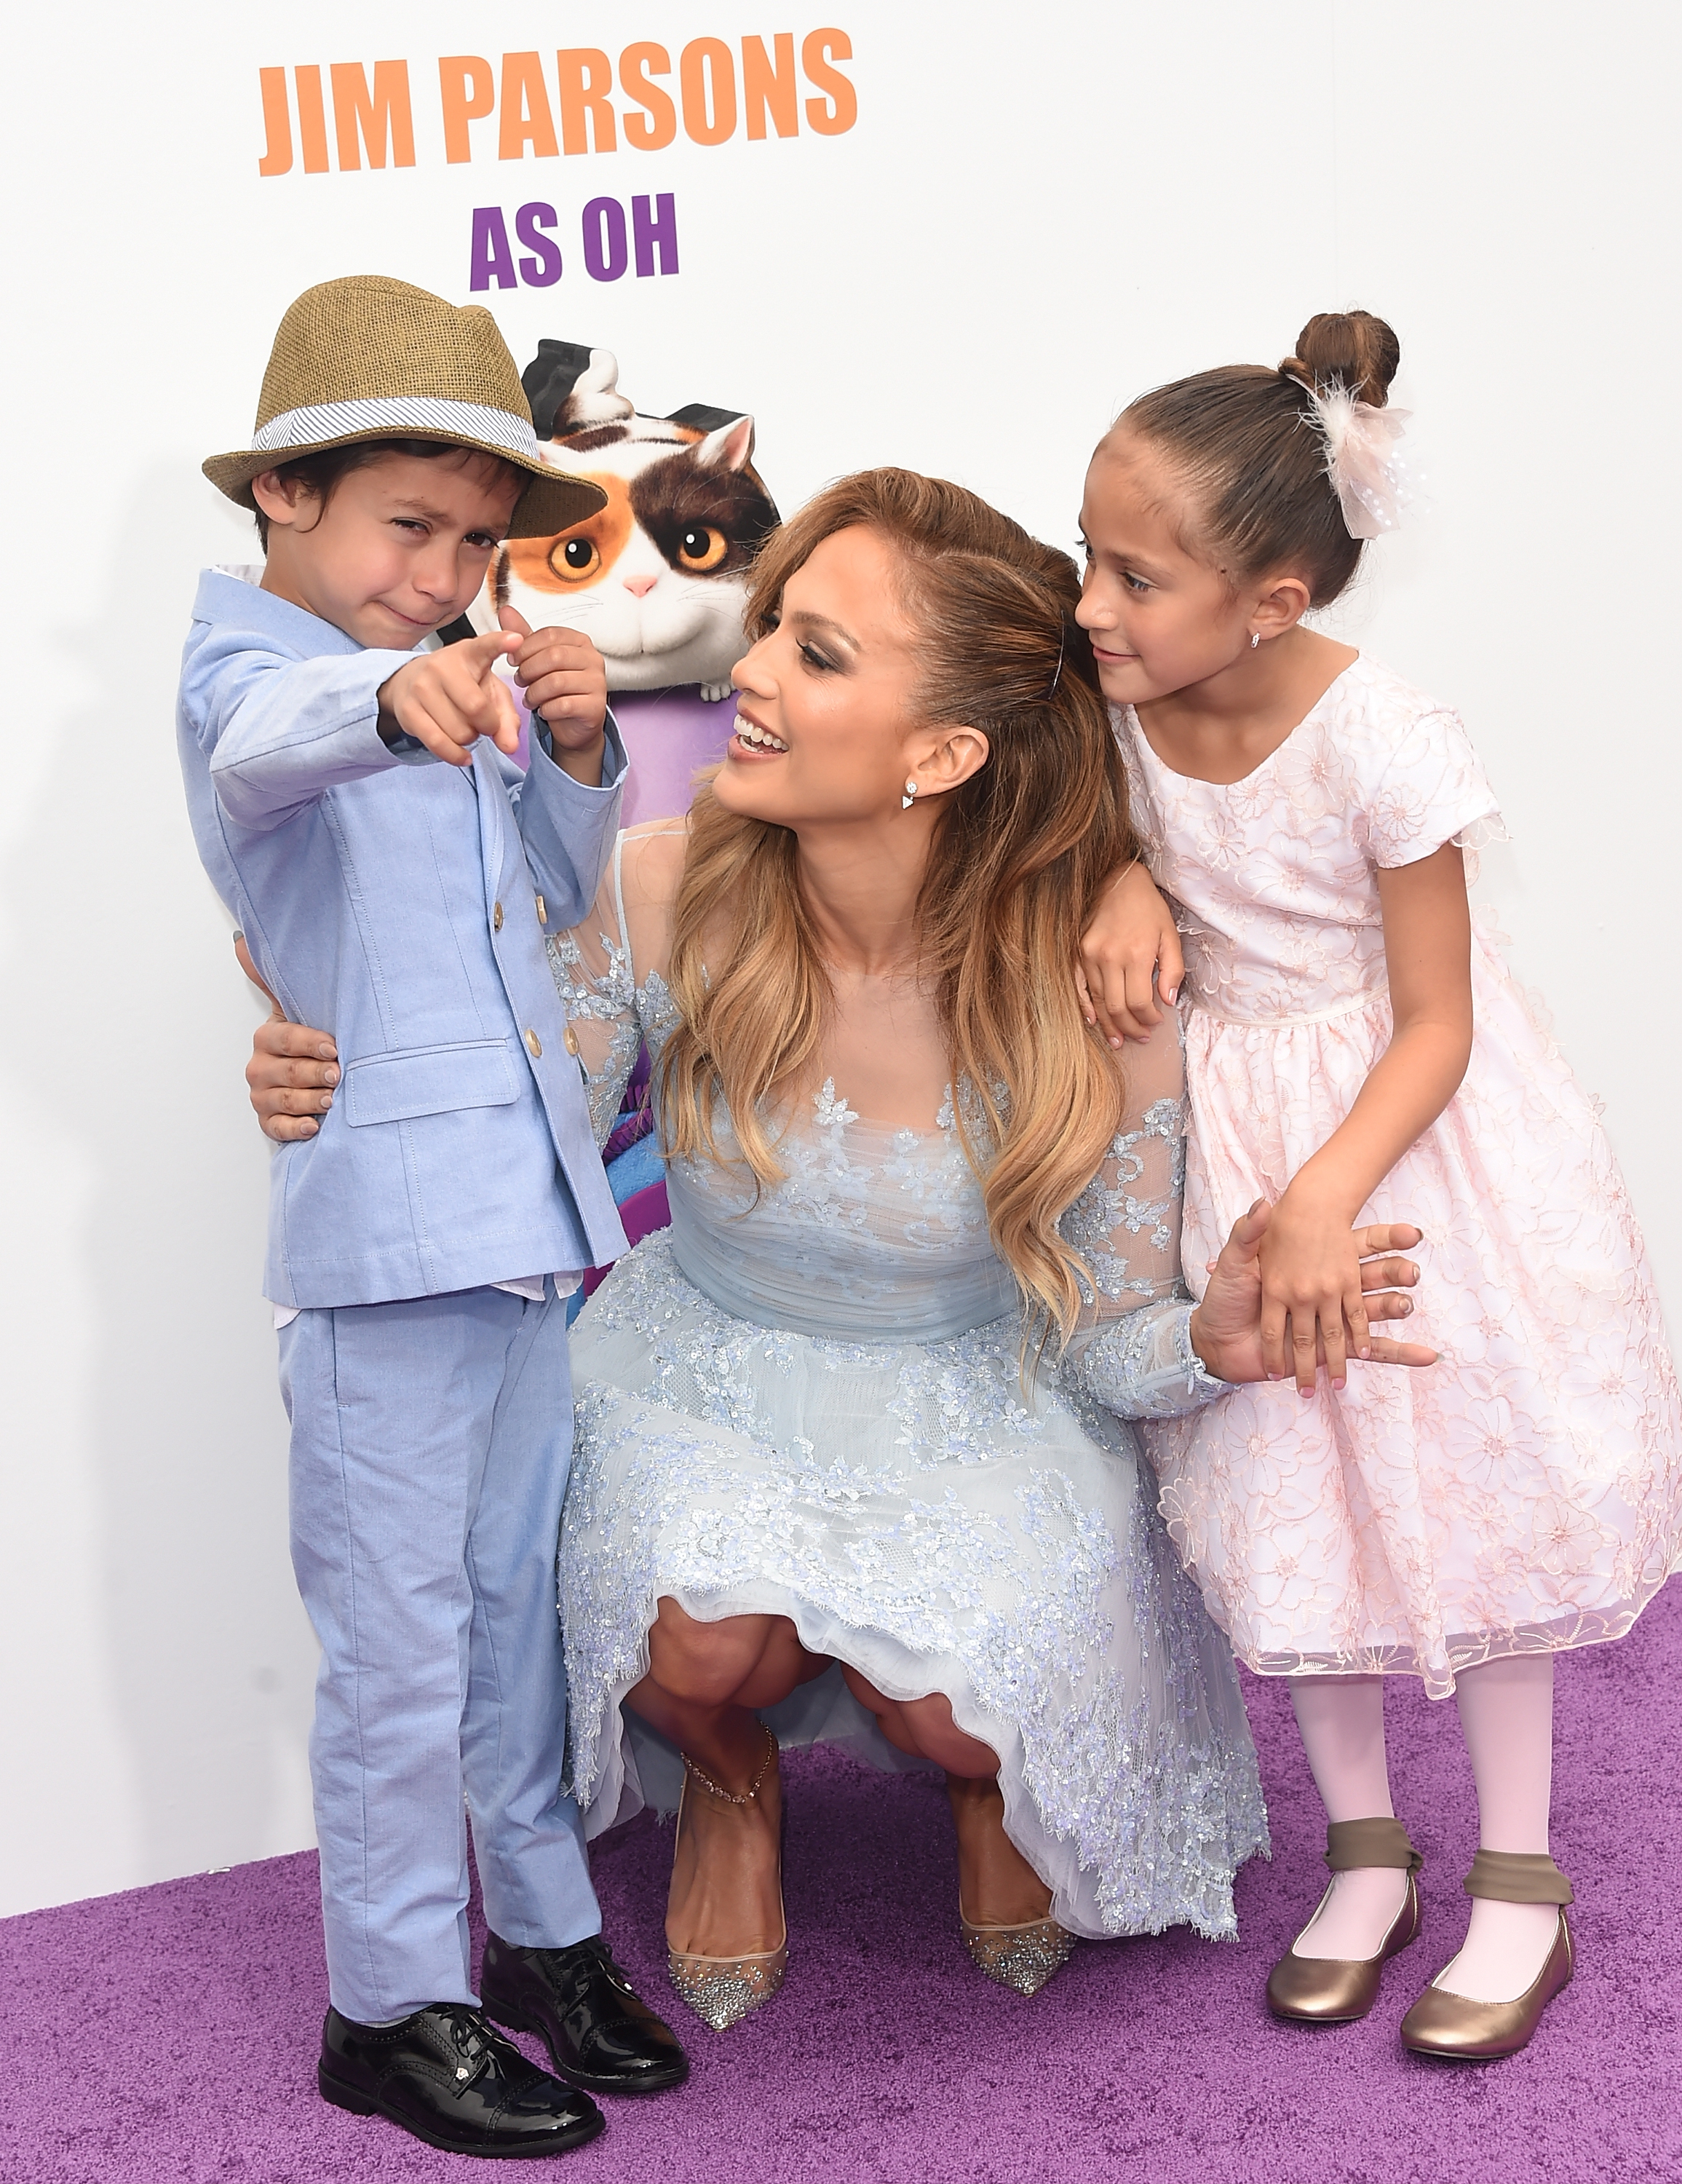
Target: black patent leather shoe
column 600, row 2033
column 450, row 2078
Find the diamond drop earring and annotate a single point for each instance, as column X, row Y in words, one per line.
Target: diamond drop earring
column 910, row 797
column 1255, row 639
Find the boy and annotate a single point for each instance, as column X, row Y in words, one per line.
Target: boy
column 354, row 804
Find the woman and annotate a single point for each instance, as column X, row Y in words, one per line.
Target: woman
column 851, row 1461
column 859, row 1405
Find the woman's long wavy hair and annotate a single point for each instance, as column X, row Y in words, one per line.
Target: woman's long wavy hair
column 1018, row 860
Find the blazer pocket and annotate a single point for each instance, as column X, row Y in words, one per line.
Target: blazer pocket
column 429, row 1080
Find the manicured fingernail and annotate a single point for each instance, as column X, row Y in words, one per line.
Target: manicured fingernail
column 1337, row 1384
column 1365, row 1351
column 1172, row 995
column 1307, row 1394
column 1116, row 1043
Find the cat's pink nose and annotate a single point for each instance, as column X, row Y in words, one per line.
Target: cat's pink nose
column 640, row 586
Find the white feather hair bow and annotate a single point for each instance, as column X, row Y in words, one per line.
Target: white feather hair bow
column 1377, row 488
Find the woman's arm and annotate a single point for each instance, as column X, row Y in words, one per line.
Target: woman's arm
column 601, row 967
column 604, row 965
column 1310, row 1278
column 1142, row 1348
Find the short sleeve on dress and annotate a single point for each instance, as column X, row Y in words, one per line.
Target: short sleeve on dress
column 1434, row 790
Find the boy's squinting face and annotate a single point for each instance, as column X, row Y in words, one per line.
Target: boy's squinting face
column 1160, row 620
column 398, row 549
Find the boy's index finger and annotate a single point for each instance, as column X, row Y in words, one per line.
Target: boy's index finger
column 482, row 653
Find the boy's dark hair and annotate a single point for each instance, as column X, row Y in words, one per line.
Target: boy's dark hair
column 1245, row 442
column 320, row 472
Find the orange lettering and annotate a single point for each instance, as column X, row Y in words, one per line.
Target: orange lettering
column 706, row 64
column 585, row 77
column 466, row 93
column 276, row 157
column 768, row 89
column 381, row 117
column 312, row 119
column 654, row 130
column 525, row 115
column 837, row 108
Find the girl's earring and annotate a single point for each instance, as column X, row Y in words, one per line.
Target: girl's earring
column 910, row 797
column 1255, row 639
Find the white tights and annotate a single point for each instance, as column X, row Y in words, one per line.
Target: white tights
column 1507, row 1717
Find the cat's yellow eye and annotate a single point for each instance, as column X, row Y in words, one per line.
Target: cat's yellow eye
column 574, row 558
column 701, row 547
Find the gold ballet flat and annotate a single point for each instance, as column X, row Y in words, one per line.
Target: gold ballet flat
column 1453, row 2025
column 722, row 1990
column 1020, row 1957
column 1338, row 1990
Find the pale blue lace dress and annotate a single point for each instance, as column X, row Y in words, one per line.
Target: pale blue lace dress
column 808, row 1401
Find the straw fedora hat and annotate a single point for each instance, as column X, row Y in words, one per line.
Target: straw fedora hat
column 370, row 358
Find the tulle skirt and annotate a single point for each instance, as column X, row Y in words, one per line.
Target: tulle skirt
column 918, row 1514
column 1524, row 1494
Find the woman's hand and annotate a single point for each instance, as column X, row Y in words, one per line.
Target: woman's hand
column 1129, row 956
column 1312, row 1302
column 292, row 1070
column 1227, row 1327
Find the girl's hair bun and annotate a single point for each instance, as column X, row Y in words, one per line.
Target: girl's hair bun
column 1349, row 348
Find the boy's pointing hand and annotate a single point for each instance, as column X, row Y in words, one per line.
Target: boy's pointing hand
column 448, row 698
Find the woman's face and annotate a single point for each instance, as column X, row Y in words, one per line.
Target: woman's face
column 825, row 729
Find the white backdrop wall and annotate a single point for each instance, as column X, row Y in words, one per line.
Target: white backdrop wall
column 1035, row 214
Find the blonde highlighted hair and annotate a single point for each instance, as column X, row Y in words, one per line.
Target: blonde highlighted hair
column 1017, row 859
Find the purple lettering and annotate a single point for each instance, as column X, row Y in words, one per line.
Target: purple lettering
column 491, row 259
column 605, row 254
column 659, row 233
column 542, row 270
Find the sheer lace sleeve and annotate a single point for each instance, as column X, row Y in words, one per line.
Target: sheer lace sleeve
column 608, row 969
column 1132, row 1350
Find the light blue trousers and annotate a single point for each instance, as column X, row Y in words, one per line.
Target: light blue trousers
column 430, row 1442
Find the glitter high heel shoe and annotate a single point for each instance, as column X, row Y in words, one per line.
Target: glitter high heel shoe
column 1020, row 1958
column 722, row 1990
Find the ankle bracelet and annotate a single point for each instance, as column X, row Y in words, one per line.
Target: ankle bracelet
column 730, row 1797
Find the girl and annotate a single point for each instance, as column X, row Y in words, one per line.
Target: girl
column 1353, row 1046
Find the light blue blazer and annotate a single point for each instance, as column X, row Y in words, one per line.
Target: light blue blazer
column 402, row 904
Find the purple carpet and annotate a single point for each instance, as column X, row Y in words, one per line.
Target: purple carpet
column 170, row 2033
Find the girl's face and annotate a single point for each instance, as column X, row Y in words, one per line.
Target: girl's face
column 826, row 730
column 1160, row 619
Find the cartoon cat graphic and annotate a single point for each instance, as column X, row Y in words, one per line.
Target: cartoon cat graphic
column 657, row 578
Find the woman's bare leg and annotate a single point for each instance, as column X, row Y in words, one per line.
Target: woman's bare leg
column 996, row 1884
column 704, row 1681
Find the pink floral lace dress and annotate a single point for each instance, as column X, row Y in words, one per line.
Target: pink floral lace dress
column 1525, row 1494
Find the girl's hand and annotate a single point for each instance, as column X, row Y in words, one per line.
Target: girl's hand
column 1227, row 1327
column 1312, row 1305
column 1129, row 955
